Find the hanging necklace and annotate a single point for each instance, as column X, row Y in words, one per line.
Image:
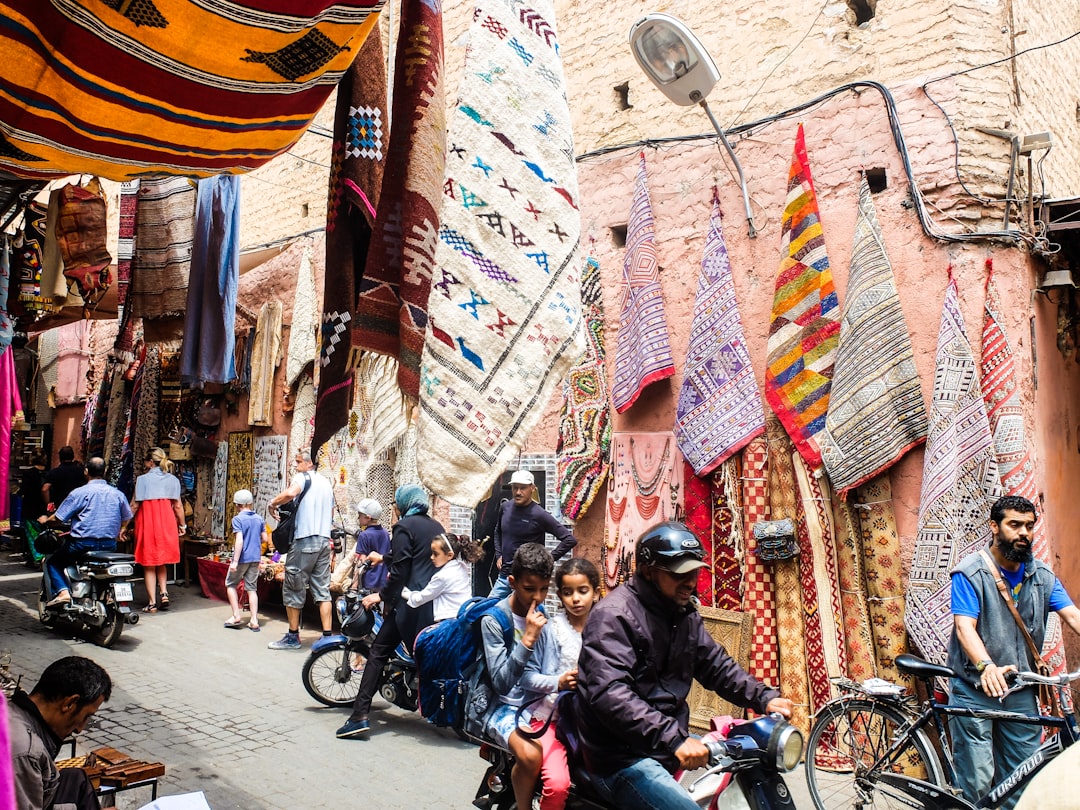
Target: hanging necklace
column 653, row 483
column 647, row 505
column 616, row 508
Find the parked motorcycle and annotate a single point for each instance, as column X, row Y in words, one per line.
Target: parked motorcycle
column 745, row 772
column 333, row 671
column 101, row 591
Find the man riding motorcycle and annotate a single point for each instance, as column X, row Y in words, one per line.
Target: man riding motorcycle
column 97, row 512
column 643, row 646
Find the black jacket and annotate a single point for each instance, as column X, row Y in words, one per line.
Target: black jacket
column 640, row 652
column 410, row 567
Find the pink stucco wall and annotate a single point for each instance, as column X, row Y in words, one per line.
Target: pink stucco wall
column 843, row 136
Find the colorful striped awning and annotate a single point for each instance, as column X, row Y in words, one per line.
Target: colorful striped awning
column 124, row 88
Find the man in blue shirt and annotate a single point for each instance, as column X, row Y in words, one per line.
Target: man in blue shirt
column 97, row 512
column 521, row 521
column 987, row 643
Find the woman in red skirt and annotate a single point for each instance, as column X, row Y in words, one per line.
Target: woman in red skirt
column 159, row 522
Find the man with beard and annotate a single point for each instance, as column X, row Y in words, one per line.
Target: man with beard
column 986, row 643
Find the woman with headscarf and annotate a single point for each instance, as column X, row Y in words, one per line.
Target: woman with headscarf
column 410, row 567
column 159, row 522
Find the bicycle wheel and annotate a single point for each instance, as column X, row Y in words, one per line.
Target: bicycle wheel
column 848, row 737
column 323, row 681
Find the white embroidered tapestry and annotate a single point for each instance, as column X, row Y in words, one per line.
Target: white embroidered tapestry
column 960, row 482
column 271, row 467
column 505, row 298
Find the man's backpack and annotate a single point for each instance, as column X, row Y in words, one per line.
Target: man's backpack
column 454, row 688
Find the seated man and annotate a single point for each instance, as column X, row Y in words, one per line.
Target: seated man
column 97, row 512
column 67, row 695
column 642, row 647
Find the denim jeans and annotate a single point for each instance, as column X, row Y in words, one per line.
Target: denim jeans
column 501, row 588
column 68, row 554
column 645, row 785
column 986, row 751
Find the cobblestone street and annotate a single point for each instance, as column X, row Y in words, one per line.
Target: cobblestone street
column 231, row 718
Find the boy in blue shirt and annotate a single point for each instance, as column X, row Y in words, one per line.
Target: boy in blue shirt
column 250, row 533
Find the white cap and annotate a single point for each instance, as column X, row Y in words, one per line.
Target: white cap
column 369, row 507
column 243, row 497
column 522, row 477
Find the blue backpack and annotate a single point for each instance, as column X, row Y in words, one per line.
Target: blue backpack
column 450, row 663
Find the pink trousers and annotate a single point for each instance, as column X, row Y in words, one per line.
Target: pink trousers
column 554, row 770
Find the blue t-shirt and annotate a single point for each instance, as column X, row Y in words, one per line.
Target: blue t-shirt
column 251, row 528
column 98, row 510
column 374, row 538
column 964, row 602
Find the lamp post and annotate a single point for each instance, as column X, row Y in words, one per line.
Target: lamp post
column 680, row 67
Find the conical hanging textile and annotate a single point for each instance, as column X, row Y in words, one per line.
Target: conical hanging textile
column 960, row 482
column 719, row 408
column 805, row 317
column 643, row 349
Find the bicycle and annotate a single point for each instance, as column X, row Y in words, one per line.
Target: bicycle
column 869, row 747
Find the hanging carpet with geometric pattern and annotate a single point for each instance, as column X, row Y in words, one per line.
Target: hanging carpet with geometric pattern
column 960, row 482
column 181, row 87
column 505, row 304
column 719, row 409
column 876, row 411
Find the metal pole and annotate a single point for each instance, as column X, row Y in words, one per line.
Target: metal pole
column 738, row 167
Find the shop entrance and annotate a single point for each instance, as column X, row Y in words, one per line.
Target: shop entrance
column 487, row 512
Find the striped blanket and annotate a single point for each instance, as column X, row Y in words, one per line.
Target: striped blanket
column 183, row 87
column 805, row 317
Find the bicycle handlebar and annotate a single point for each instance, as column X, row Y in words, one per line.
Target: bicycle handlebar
column 1049, row 680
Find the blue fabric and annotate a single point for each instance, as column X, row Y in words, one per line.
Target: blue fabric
column 209, row 339
column 964, row 602
column 96, row 510
column 157, row 485
column 985, row 751
column 411, row 500
column 67, row 555
column 644, row 785
column 501, row 589
column 6, row 325
column 374, row 538
column 251, row 528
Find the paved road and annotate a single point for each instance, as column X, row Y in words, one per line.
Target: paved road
column 231, row 718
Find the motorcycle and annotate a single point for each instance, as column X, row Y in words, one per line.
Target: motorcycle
column 333, row 670
column 747, row 760
column 101, row 591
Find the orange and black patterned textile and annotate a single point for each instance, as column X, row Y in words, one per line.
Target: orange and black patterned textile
column 124, row 88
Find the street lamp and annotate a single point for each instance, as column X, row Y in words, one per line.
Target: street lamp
column 680, row 67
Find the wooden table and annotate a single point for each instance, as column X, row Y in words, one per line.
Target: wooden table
column 191, row 548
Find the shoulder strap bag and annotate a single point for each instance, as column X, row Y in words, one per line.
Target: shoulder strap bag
column 285, row 532
column 1048, row 697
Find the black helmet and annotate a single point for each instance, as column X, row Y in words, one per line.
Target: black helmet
column 671, row 546
column 356, row 620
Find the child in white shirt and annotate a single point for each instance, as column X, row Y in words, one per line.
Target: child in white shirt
column 451, row 586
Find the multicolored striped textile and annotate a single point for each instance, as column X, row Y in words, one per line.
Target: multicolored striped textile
column 758, row 592
column 1015, row 461
column 642, row 350
column 356, row 173
column 182, row 87
column 698, row 508
column 805, row 317
column 851, row 574
column 960, row 483
column 727, row 536
column 392, row 310
column 584, row 447
column 719, row 409
column 876, row 411
column 505, row 312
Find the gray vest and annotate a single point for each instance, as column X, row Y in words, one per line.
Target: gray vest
column 995, row 625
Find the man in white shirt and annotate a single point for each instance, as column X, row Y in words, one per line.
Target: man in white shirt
column 307, row 565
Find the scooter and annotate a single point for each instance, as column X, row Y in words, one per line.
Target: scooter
column 747, row 760
column 336, row 664
column 101, row 591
